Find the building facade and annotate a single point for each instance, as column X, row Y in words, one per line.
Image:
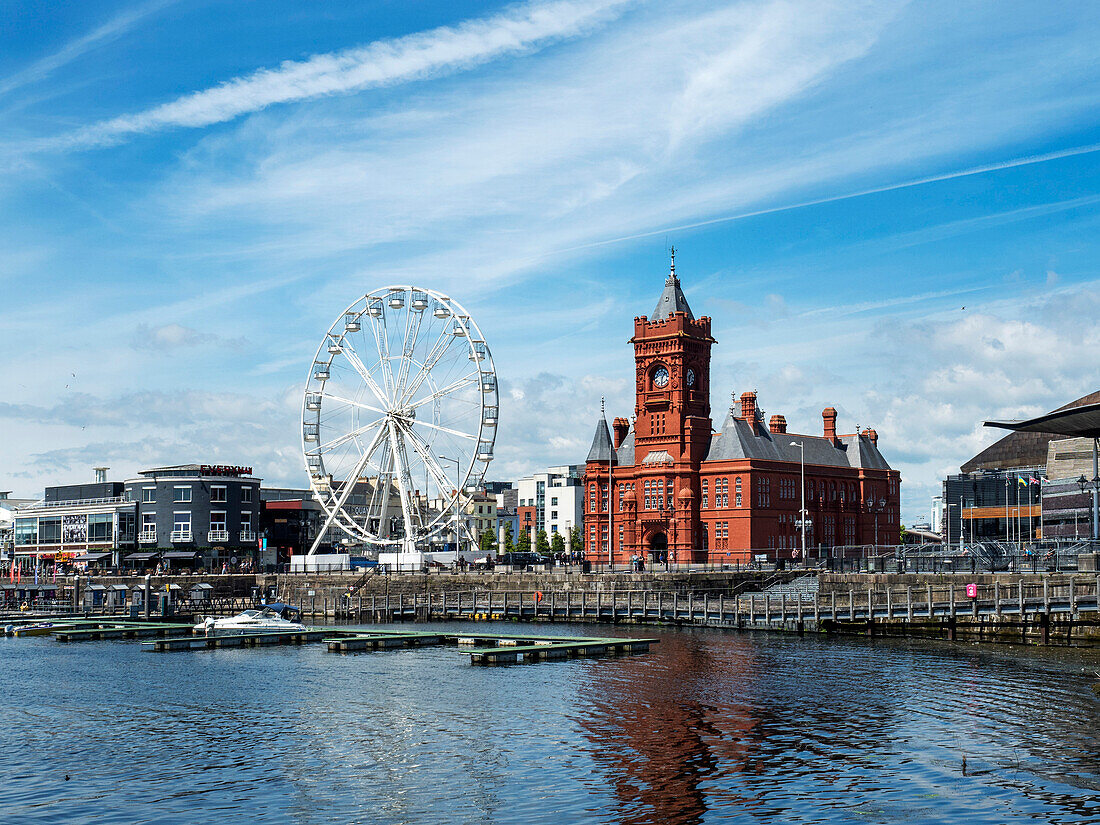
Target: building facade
column 202, row 511
column 77, row 521
column 667, row 484
column 552, row 501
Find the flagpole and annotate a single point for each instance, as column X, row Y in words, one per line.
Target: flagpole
column 1031, row 521
column 1007, row 536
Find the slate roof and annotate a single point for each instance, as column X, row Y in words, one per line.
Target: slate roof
column 739, row 440
column 601, row 443
column 672, row 298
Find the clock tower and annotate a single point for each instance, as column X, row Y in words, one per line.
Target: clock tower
column 672, row 370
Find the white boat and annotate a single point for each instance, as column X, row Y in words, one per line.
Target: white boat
column 266, row 619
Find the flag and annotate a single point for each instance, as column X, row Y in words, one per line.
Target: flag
column 1021, row 480
column 1033, row 480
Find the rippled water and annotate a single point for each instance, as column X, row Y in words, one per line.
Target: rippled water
column 710, row 727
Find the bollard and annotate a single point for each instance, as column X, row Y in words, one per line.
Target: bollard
column 909, row 603
column 930, row 601
column 148, row 594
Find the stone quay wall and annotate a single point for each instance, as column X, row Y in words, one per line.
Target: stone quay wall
column 318, row 588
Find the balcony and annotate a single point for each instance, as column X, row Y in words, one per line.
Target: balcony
column 147, row 537
column 247, row 536
column 218, row 536
column 181, row 537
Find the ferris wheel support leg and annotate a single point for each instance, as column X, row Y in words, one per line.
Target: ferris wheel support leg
column 321, row 535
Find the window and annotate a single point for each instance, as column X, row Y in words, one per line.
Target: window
column 101, row 526
column 553, row 514
column 49, row 530
column 217, row 522
column 603, row 498
column 592, row 500
column 26, row 531
column 554, row 500
column 704, row 505
column 148, row 495
column 183, row 494
column 181, row 522
column 246, row 494
column 217, row 494
column 553, row 528
column 246, row 521
column 148, row 522
column 737, row 488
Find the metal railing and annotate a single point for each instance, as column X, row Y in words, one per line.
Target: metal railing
column 147, row 537
column 218, row 536
column 181, row 536
column 248, row 535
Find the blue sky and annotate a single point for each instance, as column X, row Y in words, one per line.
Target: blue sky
column 890, row 208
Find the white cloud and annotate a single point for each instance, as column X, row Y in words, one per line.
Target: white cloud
column 414, row 57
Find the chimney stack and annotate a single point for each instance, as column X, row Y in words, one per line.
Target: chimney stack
column 871, row 435
column 778, row 424
column 828, row 415
column 622, row 427
column 101, row 474
column 748, row 407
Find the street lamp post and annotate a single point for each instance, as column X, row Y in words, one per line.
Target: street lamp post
column 1094, row 484
column 801, row 524
column 454, row 507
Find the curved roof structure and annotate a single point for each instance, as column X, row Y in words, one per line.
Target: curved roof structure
column 1025, row 447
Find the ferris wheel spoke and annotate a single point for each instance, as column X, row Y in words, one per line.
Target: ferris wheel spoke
column 364, row 373
column 336, row 442
column 442, row 429
column 430, row 463
column 438, row 350
column 359, row 404
column 407, row 349
column 382, row 342
column 447, row 390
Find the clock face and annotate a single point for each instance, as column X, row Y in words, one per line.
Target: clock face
column 660, row 377
column 691, row 378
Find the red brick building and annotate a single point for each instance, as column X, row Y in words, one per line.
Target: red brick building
column 678, row 486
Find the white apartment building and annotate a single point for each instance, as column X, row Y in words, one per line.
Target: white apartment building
column 552, row 501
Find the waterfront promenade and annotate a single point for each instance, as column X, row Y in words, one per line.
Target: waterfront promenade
column 1050, row 609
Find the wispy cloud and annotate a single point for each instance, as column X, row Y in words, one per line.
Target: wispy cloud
column 96, row 38
column 382, row 63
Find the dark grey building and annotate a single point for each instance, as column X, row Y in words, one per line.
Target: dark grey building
column 197, row 511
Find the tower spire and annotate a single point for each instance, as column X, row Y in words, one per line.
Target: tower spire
column 672, row 299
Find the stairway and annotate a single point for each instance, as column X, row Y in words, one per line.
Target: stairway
column 804, row 588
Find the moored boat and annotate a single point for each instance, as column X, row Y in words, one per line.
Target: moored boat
column 272, row 618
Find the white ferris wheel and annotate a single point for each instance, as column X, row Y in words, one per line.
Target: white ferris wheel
column 399, row 416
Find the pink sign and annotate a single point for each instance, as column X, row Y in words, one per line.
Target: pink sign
column 972, row 591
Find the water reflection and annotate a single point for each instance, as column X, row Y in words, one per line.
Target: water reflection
column 820, row 730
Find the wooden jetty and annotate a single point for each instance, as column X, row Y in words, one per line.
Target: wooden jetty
column 258, row 639
column 497, row 649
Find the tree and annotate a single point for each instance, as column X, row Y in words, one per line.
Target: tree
column 486, row 542
column 576, row 541
column 542, row 544
column 557, row 544
column 509, row 545
column 524, row 543
column 903, row 532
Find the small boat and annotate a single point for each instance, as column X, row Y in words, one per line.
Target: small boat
column 40, row 629
column 270, row 618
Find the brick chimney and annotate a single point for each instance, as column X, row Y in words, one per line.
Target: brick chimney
column 828, row 415
column 622, row 427
column 872, row 435
column 748, row 406
column 778, row 424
